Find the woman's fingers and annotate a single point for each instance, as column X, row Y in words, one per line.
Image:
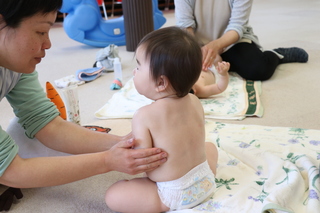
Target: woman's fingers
column 134, row 161
column 149, row 159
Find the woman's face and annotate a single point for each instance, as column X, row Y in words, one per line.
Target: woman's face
column 22, row 48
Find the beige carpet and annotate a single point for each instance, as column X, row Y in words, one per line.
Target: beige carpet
column 290, row 98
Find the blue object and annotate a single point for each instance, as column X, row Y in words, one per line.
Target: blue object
column 89, row 74
column 85, row 24
column 116, row 84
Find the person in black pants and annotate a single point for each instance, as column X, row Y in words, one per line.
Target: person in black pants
column 222, row 27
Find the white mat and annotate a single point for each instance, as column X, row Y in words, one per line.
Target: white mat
column 241, row 99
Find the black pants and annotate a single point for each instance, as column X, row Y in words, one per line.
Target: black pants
column 250, row 62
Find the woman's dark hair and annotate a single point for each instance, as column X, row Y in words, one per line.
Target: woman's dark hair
column 14, row 11
column 175, row 54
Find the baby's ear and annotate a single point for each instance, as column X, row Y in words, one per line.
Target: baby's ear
column 162, row 83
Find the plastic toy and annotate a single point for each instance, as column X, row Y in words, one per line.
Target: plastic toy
column 85, row 24
column 116, row 84
column 55, row 98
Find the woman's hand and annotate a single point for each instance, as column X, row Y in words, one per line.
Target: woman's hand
column 210, row 54
column 127, row 137
column 211, row 51
column 123, row 158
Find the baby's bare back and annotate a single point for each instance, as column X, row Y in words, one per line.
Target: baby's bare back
column 179, row 130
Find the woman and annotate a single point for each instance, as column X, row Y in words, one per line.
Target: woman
column 222, row 28
column 24, row 28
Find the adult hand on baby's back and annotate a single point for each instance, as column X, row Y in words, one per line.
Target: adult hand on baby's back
column 134, row 161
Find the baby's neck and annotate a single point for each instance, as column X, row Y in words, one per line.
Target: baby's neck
column 174, row 96
column 166, row 96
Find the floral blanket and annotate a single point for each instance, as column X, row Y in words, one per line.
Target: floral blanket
column 241, row 99
column 264, row 169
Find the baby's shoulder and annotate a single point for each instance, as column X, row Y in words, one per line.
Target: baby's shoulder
column 144, row 111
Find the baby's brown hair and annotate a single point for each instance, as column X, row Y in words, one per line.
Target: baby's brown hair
column 176, row 54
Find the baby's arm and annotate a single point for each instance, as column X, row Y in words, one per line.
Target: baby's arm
column 140, row 130
column 223, row 79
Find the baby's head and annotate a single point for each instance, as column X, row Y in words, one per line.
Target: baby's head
column 174, row 53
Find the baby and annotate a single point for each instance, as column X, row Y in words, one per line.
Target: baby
column 169, row 63
column 212, row 82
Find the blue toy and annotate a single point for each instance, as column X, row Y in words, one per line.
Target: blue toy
column 85, row 24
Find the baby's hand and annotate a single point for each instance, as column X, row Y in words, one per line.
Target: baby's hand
column 223, row 68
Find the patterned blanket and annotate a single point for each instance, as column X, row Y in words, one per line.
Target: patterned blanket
column 241, row 99
column 264, row 169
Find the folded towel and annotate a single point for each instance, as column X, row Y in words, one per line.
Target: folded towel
column 240, row 100
column 68, row 81
column 89, row 74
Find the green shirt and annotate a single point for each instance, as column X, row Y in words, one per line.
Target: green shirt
column 30, row 104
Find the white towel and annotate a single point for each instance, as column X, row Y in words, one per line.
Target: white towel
column 239, row 100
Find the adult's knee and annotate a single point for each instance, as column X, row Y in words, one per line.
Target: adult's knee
column 256, row 73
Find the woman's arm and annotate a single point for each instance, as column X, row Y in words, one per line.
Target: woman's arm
column 184, row 13
column 240, row 14
column 238, row 23
column 50, row 171
column 68, row 137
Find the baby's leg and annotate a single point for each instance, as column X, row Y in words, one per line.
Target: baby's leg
column 136, row 195
column 212, row 156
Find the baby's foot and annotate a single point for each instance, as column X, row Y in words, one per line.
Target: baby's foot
column 293, row 54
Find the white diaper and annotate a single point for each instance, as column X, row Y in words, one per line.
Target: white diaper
column 190, row 190
column 213, row 69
